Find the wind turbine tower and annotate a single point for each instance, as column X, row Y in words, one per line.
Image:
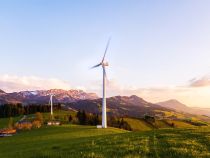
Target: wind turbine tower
column 103, row 64
column 51, row 103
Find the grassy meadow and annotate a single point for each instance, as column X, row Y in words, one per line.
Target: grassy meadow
column 4, row 121
column 69, row 141
column 157, row 140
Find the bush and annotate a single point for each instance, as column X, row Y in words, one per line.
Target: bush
column 119, row 123
column 36, row 124
column 149, row 118
column 23, row 126
column 39, row 117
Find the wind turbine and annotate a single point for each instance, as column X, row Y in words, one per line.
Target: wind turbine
column 51, row 103
column 103, row 64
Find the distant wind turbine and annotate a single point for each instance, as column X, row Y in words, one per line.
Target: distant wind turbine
column 51, row 103
column 104, row 64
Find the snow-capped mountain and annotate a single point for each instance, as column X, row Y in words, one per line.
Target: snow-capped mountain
column 42, row 96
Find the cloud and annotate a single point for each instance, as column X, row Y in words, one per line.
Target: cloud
column 187, row 94
column 200, row 82
column 11, row 83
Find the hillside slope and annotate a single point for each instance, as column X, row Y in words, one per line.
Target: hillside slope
column 132, row 106
column 180, row 107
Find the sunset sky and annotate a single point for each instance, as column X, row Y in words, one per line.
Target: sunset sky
column 159, row 50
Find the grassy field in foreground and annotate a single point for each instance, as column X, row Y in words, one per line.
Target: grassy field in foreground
column 86, row 141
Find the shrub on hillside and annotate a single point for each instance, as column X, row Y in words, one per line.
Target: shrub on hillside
column 39, row 117
column 149, row 118
column 23, row 126
column 119, row 123
column 124, row 125
column 36, row 124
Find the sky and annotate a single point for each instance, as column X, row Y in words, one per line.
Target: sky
column 159, row 50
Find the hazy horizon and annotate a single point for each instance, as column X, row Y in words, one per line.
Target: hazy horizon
column 159, row 50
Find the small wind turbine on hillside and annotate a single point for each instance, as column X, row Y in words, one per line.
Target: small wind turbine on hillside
column 103, row 64
column 51, row 104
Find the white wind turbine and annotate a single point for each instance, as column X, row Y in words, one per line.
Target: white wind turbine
column 51, row 104
column 104, row 64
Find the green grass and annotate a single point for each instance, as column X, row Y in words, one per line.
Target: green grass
column 161, row 124
column 4, row 121
column 138, row 124
column 142, row 125
column 180, row 124
column 61, row 114
column 69, row 141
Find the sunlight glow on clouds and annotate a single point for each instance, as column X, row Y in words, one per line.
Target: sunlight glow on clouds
column 194, row 93
column 11, row 83
column 200, row 82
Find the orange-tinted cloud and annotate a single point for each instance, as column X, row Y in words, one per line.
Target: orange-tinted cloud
column 200, row 82
column 11, row 83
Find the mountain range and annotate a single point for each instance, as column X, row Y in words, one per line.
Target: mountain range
column 132, row 106
column 43, row 96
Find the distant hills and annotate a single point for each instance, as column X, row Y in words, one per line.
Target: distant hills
column 175, row 105
column 180, row 107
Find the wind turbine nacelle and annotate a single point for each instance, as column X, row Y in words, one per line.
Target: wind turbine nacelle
column 105, row 64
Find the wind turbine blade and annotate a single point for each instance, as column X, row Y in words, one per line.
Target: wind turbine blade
column 95, row 66
column 106, row 49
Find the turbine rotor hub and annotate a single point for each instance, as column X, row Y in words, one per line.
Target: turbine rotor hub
column 105, row 64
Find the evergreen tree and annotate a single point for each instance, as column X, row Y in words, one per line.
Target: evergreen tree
column 83, row 118
column 70, row 118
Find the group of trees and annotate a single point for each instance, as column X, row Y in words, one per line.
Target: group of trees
column 94, row 119
column 87, row 118
column 10, row 110
column 119, row 123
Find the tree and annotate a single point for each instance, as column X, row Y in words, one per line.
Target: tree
column 39, row 117
column 78, row 115
column 149, row 118
column 82, row 117
column 121, row 123
column 96, row 120
column 70, row 118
